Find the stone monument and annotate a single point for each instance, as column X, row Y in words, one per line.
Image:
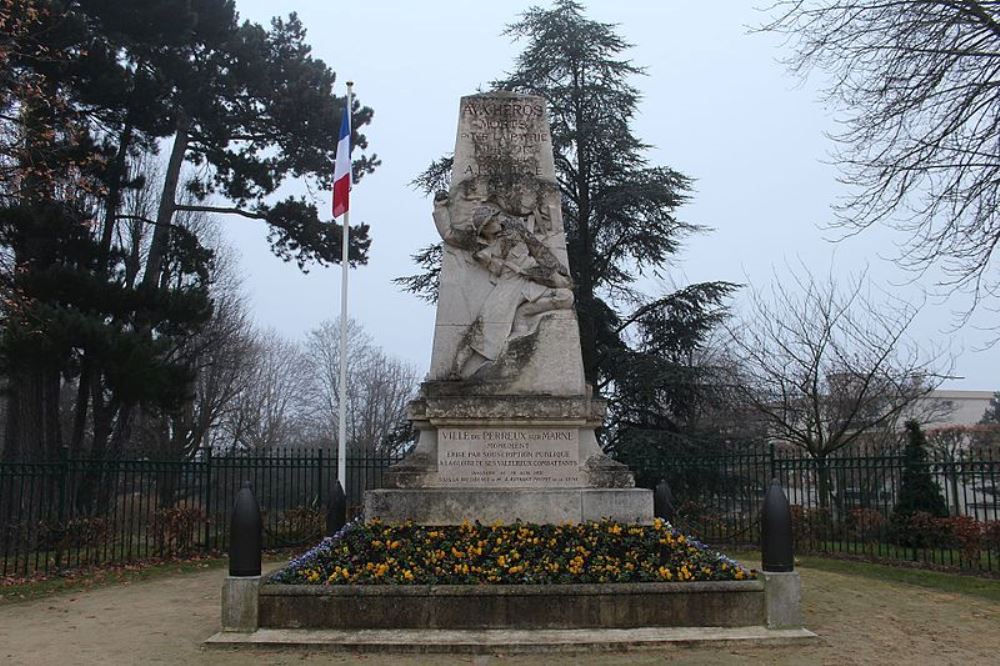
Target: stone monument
column 505, row 417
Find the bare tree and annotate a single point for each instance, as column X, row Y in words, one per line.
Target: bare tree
column 269, row 410
column 378, row 386
column 827, row 366
column 917, row 82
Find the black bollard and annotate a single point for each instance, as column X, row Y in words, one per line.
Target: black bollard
column 245, row 534
column 663, row 501
column 336, row 512
column 777, row 552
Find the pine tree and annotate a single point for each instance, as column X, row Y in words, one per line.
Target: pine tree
column 919, row 493
column 92, row 88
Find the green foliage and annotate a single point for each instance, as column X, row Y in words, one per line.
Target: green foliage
column 919, row 494
column 103, row 299
column 60, row 306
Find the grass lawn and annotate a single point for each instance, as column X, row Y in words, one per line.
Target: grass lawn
column 14, row 590
column 949, row 557
column 84, row 579
column 954, row 583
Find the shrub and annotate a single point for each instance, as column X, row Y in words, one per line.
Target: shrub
column 82, row 532
column 964, row 533
column 175, row 528
column 919, row 530
column 991, row 536
column 298, row 525
column 866, row 524
column 811, row 524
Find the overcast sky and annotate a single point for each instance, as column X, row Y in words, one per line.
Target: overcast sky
column 717, row 106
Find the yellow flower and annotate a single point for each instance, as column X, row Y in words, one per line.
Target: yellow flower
column 407, row 574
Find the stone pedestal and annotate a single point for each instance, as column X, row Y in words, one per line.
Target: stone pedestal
column 444, row 506
column 240, row 603
column 487, row 457
column 783, row 599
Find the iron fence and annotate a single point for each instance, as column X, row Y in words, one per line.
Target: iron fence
column 79, row 512
column 845, row 504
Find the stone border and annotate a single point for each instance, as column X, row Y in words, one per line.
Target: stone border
column 516, row 607
column 566, row 641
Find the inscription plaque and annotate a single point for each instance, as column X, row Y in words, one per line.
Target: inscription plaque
column 508, row 457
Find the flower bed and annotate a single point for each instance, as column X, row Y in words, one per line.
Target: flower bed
column 515, row 554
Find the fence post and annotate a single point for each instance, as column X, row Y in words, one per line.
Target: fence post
column 319, row 477
column 777, row 552
column 61, row 508
column 663, row 501
column 208, row 498
column 245, row 534
column 772, row 473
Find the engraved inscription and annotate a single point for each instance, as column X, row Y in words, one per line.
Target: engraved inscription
column 506, row 138
column 508, row 457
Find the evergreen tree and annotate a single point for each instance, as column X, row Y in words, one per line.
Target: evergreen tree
column 991, row 415
column 90, row 88
column 621, row 225
column 918, row 491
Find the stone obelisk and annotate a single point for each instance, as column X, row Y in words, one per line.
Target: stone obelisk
column 506, row 418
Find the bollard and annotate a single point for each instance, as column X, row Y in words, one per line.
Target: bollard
column 663, row 501
column 336, row 513
column 777, row 552
column 245, row 534
column 240, row 591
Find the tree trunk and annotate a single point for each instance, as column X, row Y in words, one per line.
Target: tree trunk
column 32, row 430
column 168, row 201
column 823, row 483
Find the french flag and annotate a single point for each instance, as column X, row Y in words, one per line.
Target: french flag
column 342, row 166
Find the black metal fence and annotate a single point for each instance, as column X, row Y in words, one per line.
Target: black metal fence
column 845, row 505
column 80, row 512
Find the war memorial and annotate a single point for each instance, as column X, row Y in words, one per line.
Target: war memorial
column 507, row 454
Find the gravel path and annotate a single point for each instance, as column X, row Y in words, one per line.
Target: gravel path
column 164, row 620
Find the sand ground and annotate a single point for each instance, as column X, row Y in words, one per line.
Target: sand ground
column 164, row 621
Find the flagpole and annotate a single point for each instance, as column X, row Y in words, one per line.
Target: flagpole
column 344, row 263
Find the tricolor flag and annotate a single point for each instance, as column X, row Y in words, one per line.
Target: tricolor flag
column 342, row 167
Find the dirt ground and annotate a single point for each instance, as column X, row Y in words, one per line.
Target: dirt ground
column 164, row 620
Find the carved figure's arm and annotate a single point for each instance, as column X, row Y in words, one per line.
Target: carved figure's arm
column 442, row 218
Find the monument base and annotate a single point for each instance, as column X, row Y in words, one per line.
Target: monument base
column 577, row 606
column 453, row 506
